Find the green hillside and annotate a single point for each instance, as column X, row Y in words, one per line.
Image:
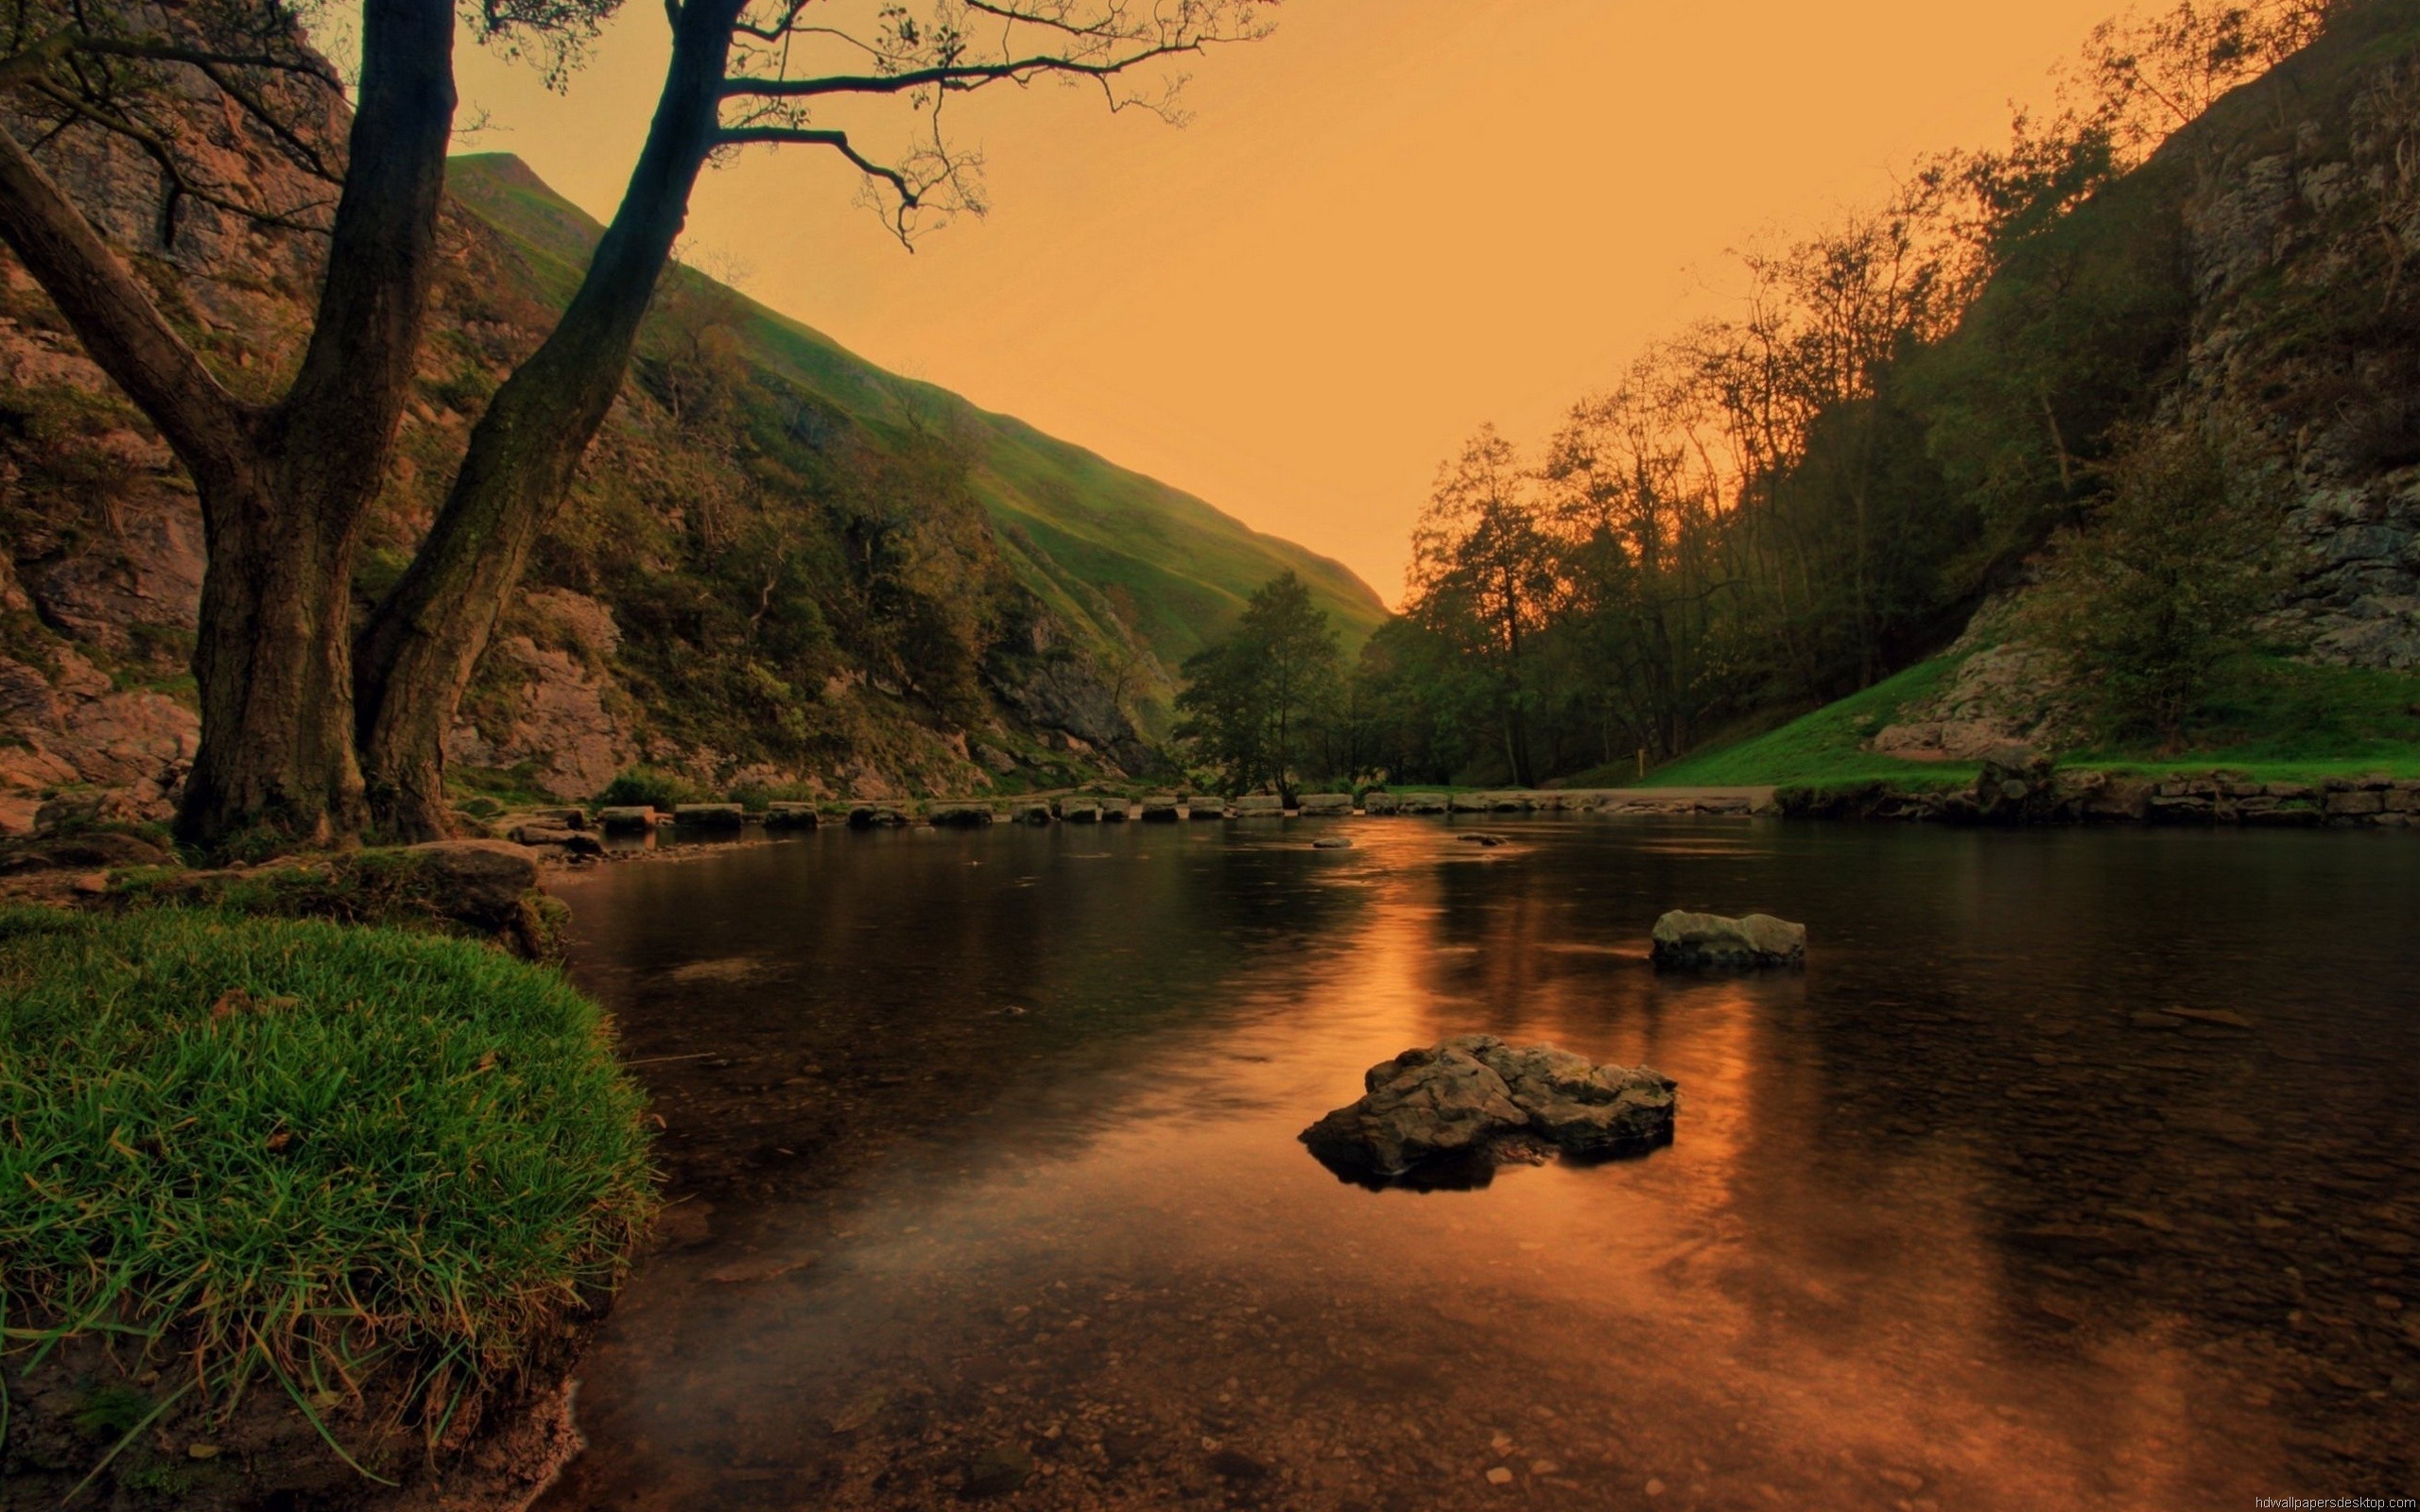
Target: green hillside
column 1082, row 532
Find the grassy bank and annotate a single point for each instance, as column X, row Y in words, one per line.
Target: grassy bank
column 302, row 1159
column 1825, row 748
column 2275, row 721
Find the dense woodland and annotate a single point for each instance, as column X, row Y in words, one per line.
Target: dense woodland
column 1769, row 511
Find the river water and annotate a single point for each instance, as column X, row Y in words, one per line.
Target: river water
column 983, row 1147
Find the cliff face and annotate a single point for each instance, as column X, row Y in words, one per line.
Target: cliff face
column 2307, row 322
column 779, row 568
column 2289, row 220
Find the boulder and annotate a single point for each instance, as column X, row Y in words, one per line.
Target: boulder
column 781, row 814
column 1324, row 805
column 1079, row 811
column 1579, row 1108
column 710, row 816
column 79, row 851
column 1161, row 809
column 959, row 815
column 1709, row 939
column 1483, row 838
column 623, row 818
column 1469, row 804
column 1113, row 811
column 478, row 882
column 1379, row 803
column 1260, row 806
column 883, row 816
column 1204, row 809
column 1034, row 813
column 1423, row 803
column 1449, row 1114
column 560, row 839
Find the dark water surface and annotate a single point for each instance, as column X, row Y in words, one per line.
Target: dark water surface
column 986, row 1147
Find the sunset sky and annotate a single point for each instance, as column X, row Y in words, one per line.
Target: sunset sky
column 1392, row 221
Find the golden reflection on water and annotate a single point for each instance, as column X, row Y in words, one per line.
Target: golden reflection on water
column 1121, row 1264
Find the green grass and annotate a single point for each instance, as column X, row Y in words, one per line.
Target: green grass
column 2277, row 721
column 2285, row 721
column 1826, row 747
column 267, row 1149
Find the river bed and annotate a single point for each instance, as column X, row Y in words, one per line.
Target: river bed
column 2077, row 1167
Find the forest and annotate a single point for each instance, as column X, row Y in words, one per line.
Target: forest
column 1971, row 387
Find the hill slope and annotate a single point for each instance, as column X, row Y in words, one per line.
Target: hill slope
column 781, row 568
column 1087, row 526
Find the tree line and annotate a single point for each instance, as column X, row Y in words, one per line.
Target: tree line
column 1782, row 506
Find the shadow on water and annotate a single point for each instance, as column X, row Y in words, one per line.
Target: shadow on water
column 2074, row 1166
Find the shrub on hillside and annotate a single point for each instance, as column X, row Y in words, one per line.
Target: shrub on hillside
column 646, row 787
column 2153, row 603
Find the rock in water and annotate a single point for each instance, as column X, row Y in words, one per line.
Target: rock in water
column 1448, row 1115
column 1710, row 940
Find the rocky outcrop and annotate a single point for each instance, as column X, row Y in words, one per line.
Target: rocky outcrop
column 1450, row 1114
column 548, row 708
column 72, row 729
column 1710, row 940
column 1065, row 694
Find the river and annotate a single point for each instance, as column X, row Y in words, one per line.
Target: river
column 2076, row 1168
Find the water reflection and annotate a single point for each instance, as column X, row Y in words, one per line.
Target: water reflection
column 986, row 1151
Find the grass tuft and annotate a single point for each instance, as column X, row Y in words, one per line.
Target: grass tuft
column 288, row 1149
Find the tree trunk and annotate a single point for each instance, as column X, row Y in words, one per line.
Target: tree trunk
column 416, row 656
column 273, row 662
column 283, row 489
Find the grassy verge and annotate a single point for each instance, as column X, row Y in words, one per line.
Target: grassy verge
column 1826, row 748
column 2277, row 721
column 290, row 1154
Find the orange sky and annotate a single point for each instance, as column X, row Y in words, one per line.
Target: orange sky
column 1392, row 221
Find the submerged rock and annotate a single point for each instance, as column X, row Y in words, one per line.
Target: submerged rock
column 1448, row 1115
column 1710, row 940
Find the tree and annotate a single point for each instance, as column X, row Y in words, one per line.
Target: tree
column 1483, row 574
column 2148, row 605
column 310, row 730
column 1255, row 701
